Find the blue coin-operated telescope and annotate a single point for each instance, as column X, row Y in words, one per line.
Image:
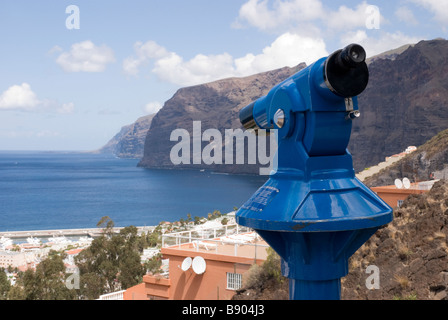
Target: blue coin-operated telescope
column 313, row 211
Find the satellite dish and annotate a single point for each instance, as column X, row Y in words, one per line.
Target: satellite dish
column 199, row 265
column 186, row 264
column 406, row 183
column 398, row 183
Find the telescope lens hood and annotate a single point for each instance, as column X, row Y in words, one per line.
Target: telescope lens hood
column 346, row 73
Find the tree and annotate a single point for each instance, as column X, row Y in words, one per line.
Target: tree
column 107, row 224
column 153, row 264
column 112, row 262
column 155, row 238
column 5, row 286
column 46, row 283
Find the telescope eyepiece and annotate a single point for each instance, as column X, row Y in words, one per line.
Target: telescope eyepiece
column 346, row 73
column 351, row 56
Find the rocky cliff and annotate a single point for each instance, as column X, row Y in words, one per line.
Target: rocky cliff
column 130, row 141
column 217, row 106
column 405, row 103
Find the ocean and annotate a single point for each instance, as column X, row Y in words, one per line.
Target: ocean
column 55, row 190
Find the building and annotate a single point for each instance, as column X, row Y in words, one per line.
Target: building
column 400, row 155
column 394, row 195
column 202, row 265
column 12, row 258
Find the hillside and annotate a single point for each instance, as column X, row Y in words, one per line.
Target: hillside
column 430, row 160
column 411, row 252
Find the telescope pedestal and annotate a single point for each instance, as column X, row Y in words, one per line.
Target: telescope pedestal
column 315, row 221
column 314, row 290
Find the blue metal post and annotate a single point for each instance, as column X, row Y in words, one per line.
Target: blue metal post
column 313, row 211
column 315, row 290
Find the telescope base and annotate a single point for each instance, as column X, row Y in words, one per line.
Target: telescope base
column 314, row 290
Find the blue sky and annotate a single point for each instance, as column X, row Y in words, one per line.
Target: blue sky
column 64, row 88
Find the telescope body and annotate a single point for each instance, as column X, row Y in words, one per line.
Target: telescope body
column 313, row 211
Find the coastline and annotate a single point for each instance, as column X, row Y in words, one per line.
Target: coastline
column 90, row 232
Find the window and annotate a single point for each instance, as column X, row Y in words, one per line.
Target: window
column 234, row 281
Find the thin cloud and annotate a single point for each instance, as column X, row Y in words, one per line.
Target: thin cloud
column 437, row 7
column 288, row 15
column 260, row 14
column 143, row 53
column 153, row 107
column 404, row 14
column 86, row 57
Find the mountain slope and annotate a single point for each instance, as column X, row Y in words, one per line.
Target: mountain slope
column 411, row 253
column 429, row 161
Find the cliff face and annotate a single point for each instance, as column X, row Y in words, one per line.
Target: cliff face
column 217, row 106
column 130, row 141
column 405, row 103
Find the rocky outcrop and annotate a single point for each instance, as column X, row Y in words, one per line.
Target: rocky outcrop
column 130, row 141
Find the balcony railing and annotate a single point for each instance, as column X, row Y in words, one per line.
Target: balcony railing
column 233, row 240
column 178, row 238
column 112, row 296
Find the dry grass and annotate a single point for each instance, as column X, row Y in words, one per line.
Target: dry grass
column 403, row 281
column 403, row 251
